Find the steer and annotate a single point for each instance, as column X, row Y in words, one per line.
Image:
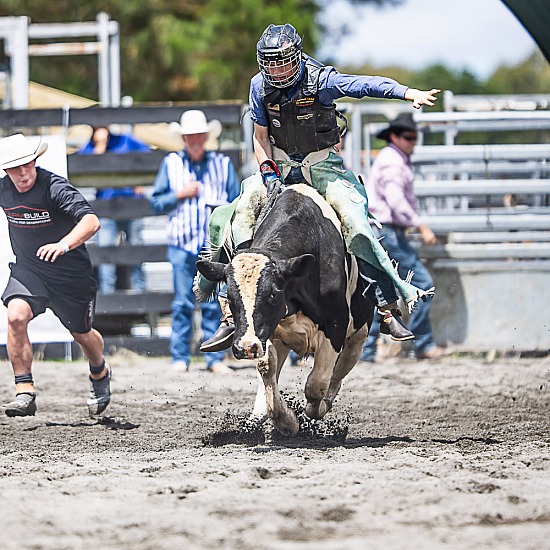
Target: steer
column 296, row 288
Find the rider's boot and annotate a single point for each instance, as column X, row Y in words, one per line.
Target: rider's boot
column 390, row 323
column 223, row 337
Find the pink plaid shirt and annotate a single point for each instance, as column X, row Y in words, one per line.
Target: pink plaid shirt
column 390, row 189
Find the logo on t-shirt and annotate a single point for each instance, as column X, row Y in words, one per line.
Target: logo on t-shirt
column 26, row 216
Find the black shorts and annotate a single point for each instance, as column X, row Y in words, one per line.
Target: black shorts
column 73, row 305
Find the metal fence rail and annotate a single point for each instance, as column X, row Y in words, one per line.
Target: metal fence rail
column 499, row 102
column 483, row 153
column 500, row 237
column 473, row 187
column 505, row 251
column 536, row 220
column 497, row 168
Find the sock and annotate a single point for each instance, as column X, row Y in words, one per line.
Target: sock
column 99, row 369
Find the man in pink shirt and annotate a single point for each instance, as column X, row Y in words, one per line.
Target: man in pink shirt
column 393, row 203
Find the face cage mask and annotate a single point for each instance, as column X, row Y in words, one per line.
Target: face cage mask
column 292, row 59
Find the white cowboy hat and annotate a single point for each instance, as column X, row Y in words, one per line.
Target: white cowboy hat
column 16, row 150
column 194, row 122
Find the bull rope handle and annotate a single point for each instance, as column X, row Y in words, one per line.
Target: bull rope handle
column 271, row 198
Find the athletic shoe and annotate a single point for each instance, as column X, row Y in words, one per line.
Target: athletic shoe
column 24, row 404
column 100, row 393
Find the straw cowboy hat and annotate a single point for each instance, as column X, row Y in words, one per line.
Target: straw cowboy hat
column 16, row 150
column 404, row 121
column 194, row 122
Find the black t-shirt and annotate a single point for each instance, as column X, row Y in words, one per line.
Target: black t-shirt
column 45, row 214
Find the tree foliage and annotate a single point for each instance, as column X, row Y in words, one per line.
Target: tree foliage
column 170, row 49
column 177, row 50
column 530, row 76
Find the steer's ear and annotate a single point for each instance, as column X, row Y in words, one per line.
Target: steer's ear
column 298, row 266
column 213, row 271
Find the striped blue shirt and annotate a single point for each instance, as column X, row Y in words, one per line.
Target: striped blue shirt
column 188, row 218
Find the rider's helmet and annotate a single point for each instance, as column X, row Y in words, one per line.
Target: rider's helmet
column 279, row 53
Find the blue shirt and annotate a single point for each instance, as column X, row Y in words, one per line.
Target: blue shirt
column 188, row 218
column 122, row 143
column 332, row 85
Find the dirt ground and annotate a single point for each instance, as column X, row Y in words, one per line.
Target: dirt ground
column 449, row 454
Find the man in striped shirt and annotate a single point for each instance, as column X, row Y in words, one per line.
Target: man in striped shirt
column 189, row 185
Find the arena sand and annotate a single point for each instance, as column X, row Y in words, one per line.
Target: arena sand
column 451, row 454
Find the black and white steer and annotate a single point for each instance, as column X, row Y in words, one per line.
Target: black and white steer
column 296, row 288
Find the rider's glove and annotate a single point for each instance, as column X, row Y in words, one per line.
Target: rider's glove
column 270, row 174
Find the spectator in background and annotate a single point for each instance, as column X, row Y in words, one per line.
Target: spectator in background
column 393, row 203
column 188, row 186
column 103, row 141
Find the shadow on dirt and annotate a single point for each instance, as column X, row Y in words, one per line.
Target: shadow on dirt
column 109, row 422
column 242, row 429
column 486, row 440
column 320, row 437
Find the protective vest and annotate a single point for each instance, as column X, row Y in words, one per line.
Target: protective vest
column 301, row 124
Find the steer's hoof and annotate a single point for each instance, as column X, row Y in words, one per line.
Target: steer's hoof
column 318, row 409
column 289, row 426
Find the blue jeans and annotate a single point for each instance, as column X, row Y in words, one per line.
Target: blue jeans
column 184, row 270
column 107, row 236
column 385, row 292
column 399, row 249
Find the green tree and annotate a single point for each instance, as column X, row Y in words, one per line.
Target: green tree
column 530, row 76
column 223, row 57
column 170, row 50
column 177, row 50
